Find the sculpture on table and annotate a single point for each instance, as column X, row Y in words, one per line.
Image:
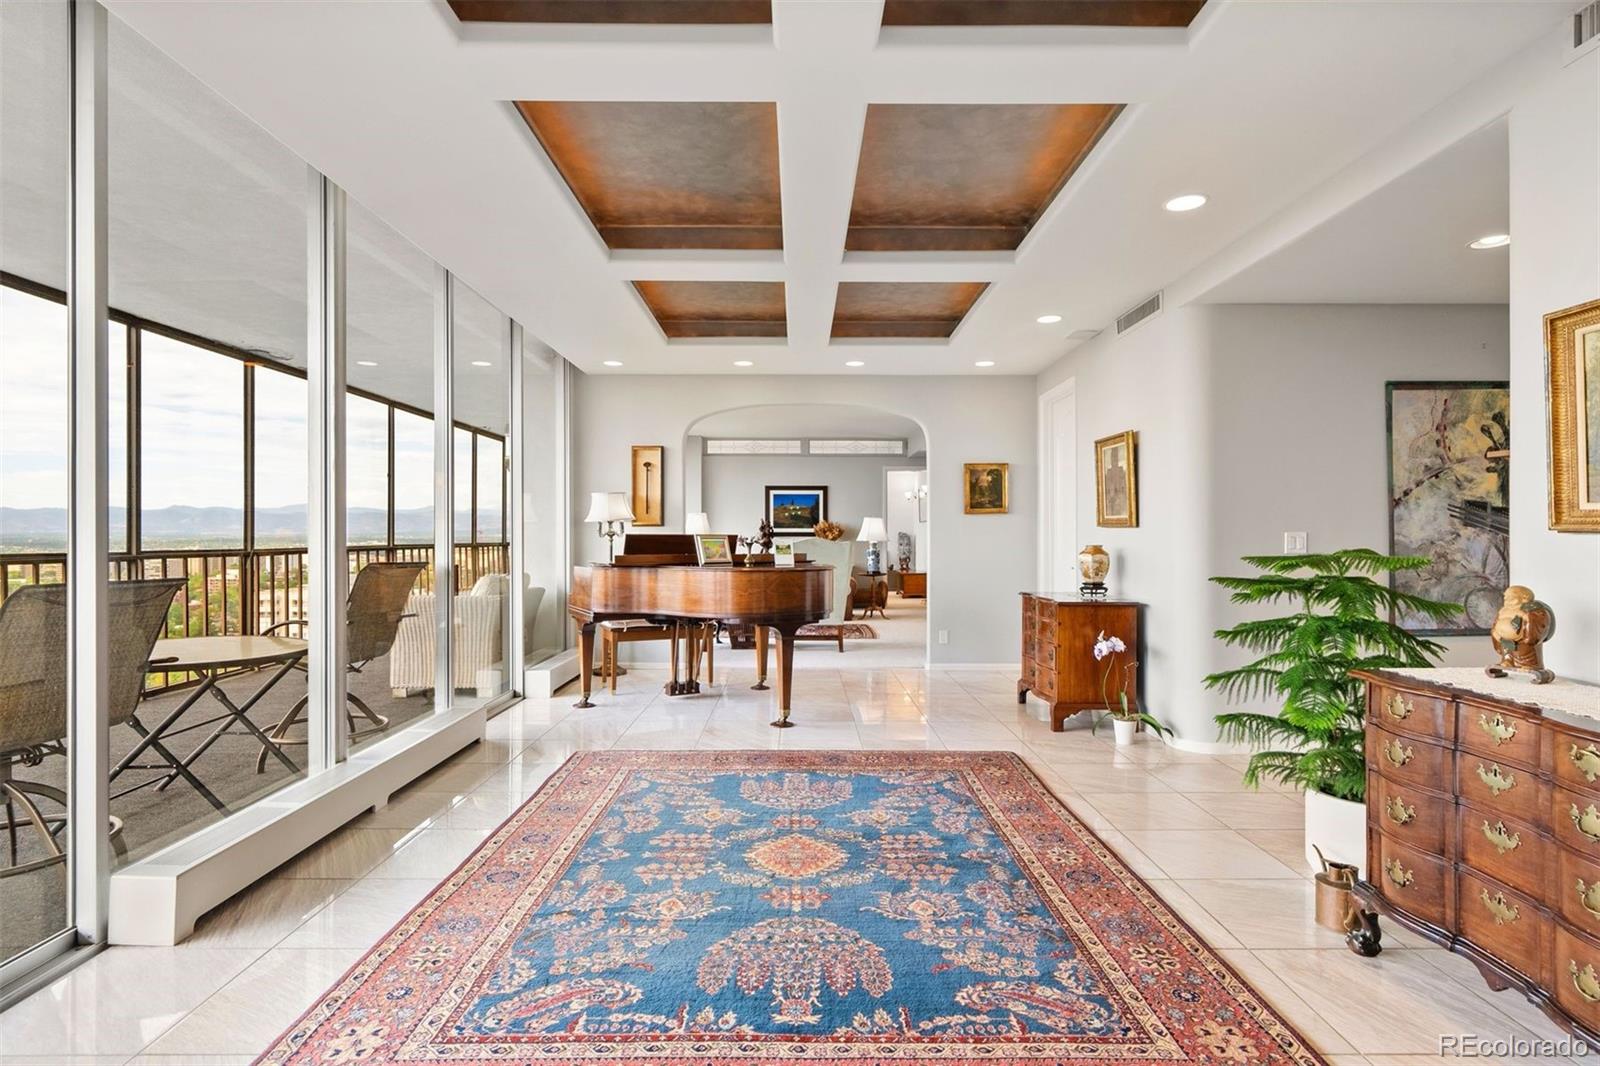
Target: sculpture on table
column 764, row 536
column 1520, row 630
column 905, row 549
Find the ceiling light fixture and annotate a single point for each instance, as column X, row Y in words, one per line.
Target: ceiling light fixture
column 1048, row 320
column 984, row 362
column 613, row 362
column 1493, row 240
column 481, row 362
column 365, row 362
column 743, row 362
column 855, row 362
column 1187, row 202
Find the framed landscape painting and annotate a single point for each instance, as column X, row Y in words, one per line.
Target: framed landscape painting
column 1572, row 348
column 794, row 509
column 1449, row 480
column 1116, row 481
column 987, row 488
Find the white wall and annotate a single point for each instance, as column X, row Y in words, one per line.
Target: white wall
column 965, row 419
column 1253, row 420
column 733, row 488
column 906, row 516
column 1555, row 263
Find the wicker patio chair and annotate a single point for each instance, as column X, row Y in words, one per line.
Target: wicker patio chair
column 33, row 695
column 373, row 610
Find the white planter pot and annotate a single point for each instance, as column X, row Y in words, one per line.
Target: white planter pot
column 1339, row 828
column 1123, row 730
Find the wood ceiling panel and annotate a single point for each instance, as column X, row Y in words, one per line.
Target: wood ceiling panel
column 717, row 308
column 1168, row 13
column 668, row 175
column 673, row 12
column 903, row 308
column 965, row 177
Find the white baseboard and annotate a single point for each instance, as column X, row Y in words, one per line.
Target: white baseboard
column 156, row 900
column 1208, row 747
column 542, row 681
column 1009, row 664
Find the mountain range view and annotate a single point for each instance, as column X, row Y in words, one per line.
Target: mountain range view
column 44, row 529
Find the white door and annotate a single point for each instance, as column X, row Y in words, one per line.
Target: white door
column 1058, row 489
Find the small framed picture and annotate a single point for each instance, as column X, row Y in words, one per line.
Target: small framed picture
column 987, row 488
column 1116, row 480
column 783, row 553
column 713, row 549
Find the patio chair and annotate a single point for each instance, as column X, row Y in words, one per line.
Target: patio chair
column 33, row 695
column 373, row 610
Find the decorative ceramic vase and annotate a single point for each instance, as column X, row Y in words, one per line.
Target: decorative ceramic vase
column 1123, row 729
column 1094, row 563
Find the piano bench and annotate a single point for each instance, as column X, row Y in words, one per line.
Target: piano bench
column 625, row 630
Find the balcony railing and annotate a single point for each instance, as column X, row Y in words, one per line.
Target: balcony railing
column 244, row 592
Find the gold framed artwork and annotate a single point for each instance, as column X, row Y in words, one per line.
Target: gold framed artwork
column 648, row 508
column 1116, row 480
column 1572, row 395
column 986, row 488
column 713, row 549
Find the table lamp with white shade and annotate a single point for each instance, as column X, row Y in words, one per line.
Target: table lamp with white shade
column 697, row 522
column 873, row 531
column 608, row 511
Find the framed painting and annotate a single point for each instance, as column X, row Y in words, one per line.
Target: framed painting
column 793, row 509
column 1116, row 480
column 1449, row 484
column 712, row 549
column 648, row 507
column 986, row 488
column 1572, row 396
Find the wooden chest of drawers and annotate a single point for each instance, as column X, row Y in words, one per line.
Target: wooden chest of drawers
column 1058, row 663
column 1483, row 834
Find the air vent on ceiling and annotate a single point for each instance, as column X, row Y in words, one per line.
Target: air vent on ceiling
column 1132, row 317
column 1585, row 28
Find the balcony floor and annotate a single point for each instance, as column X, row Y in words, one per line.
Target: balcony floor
column 32, row 904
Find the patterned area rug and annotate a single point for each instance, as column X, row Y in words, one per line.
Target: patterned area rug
column 852, row 630
column 732, row 908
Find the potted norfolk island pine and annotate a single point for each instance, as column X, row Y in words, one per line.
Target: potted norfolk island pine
column 1342, row 602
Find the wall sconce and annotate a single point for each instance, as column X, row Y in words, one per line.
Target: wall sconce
column 921, row 496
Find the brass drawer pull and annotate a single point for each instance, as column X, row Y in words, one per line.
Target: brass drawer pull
column 1503, row 839
column 1398, row 875
column 1589, row 897
column 1498, row 728
column 1586, row 761
column 1397, row 753
column 1495, row 779
column 1586, row 823
column 1503, row 912
column 1399, row 707
column 1399, row 813
column 1585, row 980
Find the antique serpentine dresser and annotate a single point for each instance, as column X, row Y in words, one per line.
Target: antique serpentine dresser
column 1483, row 828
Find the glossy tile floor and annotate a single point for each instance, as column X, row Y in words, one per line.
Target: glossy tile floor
column 1228, row 859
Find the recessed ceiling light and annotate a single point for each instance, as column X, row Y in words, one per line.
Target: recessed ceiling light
column 984, row 362
column 855, row 362
column 613, row 362
column 743, row 362
column 1494, row 240
column 365, row 362
column 1187, row 202
column 1048, row 320
column 481, row 362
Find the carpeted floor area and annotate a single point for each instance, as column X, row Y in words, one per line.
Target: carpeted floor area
column 33, row 904
column 744, row 907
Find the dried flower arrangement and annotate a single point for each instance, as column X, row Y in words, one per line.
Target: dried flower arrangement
column 828, row 530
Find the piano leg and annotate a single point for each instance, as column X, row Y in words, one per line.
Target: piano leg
column 785, row 676
column 585, row 662
column 761, row 659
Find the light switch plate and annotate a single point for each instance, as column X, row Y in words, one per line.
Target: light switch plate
column 944, row 636
column 1294, row 544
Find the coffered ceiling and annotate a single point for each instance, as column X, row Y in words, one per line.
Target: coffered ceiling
column 569, row 168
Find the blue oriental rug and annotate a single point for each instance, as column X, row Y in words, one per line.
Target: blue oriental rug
column 737, row 908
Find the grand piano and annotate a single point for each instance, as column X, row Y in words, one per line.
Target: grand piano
column 661, row 586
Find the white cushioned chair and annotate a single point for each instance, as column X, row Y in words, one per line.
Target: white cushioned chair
column 837, row 554
column 479, row 616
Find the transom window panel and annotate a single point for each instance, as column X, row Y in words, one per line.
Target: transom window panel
column 857, row 447
column 754, row 447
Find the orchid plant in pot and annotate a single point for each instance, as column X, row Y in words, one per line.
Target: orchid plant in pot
column 1124, row 713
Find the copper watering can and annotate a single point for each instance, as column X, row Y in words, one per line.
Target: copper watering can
column 1336, row 903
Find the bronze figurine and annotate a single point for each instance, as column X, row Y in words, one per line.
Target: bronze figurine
column 1519, row 633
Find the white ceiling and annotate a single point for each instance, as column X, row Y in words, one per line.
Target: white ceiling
column 1404, row 244
column 1255, row 104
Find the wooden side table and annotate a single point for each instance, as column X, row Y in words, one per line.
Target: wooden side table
column 1058, row 663
column 914, row 584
